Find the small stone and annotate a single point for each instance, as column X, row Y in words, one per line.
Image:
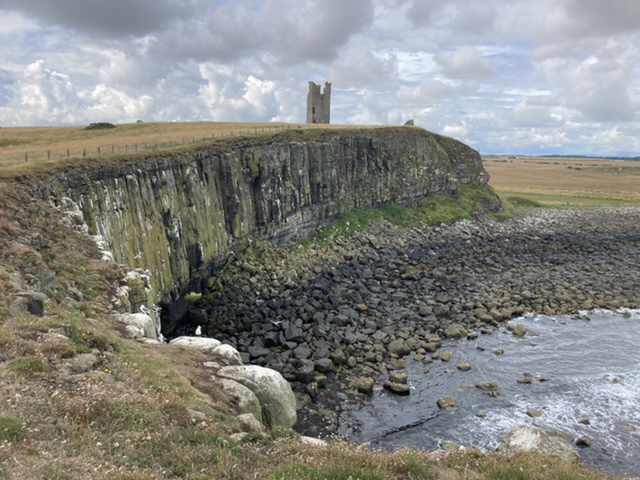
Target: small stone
column 365, row 385
column 352, row 362
column 446, row 402
column 311, row 389
column 584, row 421
column 396, row 377
column 426, row 369
column 481, row 415
column 617, row 381
column 464, row 367
column 584, row 441
column 534, row 413
column 361, row 307
column 399, row 388
column 446, row 356
column 400, row 364
column 499, row 352
column 487, row 386
column 324, row 365
column 525, row 380
column 519, row 330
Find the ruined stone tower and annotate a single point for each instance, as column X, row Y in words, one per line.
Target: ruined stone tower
column 319, row 104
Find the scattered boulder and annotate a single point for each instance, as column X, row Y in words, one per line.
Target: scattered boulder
column 139, row 325
column 365, row 385
column 83, row 363
column 398, row 388
column 446, row 356
column 315, row 442
column 534, row 412
column 230, row 355
column 244, row 398
column 396, row 377
column 274, row 393
column 32, row 302
column 398, row 347
column 455, row 331
column 409, row 123
column 517, row 330
column 446, row 402
column 464, row 367
column 533, row 439
column 249, row 423
column 204, row 344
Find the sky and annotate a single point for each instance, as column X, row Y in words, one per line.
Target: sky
column 504, row 76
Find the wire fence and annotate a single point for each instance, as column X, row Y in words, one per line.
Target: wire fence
column 42, row 155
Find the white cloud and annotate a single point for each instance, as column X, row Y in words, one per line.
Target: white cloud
column 520, row 75
column 466, row 63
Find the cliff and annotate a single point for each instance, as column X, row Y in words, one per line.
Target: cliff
column 179, row 215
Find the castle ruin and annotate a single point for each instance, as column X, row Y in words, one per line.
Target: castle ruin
column 319, row 103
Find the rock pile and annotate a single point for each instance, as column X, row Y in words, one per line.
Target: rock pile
column 363, row 303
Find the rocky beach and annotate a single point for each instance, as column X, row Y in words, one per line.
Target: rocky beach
column 344, row 312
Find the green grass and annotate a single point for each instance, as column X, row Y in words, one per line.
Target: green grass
column 28, row 364
column 11, row 428
column 434, row 209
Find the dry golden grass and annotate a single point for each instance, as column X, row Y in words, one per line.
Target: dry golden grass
column 561, row 180
column 24, row 148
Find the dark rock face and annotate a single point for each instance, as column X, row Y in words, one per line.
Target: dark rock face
column 182, row 215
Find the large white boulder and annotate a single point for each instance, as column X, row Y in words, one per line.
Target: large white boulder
column 533, row 439
column 243, row 397
column 139, row 325
column 204, row 344
column 230, row 355
column 274, row 393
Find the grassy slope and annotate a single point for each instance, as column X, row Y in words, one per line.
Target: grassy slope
column 133, row 416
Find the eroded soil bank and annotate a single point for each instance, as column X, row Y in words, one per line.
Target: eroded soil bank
column 354, row 307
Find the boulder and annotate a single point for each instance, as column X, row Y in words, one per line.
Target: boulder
column 82, row 363
column 324, row 365
column 249, row 423
column 139, row 325
column 245, row 399
column 396, row 377
column 230, row 355
column 274, row 393
column 446, row 402
column 204, row 344
column 455, row 331
column 533, row 439
column 31, row 302
column 365, row 385
column 398, row 347
column 399, row 388
column 446, row 356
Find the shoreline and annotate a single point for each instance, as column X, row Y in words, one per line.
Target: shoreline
column 357, row 307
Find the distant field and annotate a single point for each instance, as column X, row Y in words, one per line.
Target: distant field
column 24, row 149
column 572, row 181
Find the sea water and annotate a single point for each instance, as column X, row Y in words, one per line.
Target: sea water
column 585, row 367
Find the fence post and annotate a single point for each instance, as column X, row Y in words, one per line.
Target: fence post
column 136, row 147
column 99, row 153
column 67, row 153
column 26, row 156
column 126, row 148
column 48, row 154
column 84, row 152
column 112, row 149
